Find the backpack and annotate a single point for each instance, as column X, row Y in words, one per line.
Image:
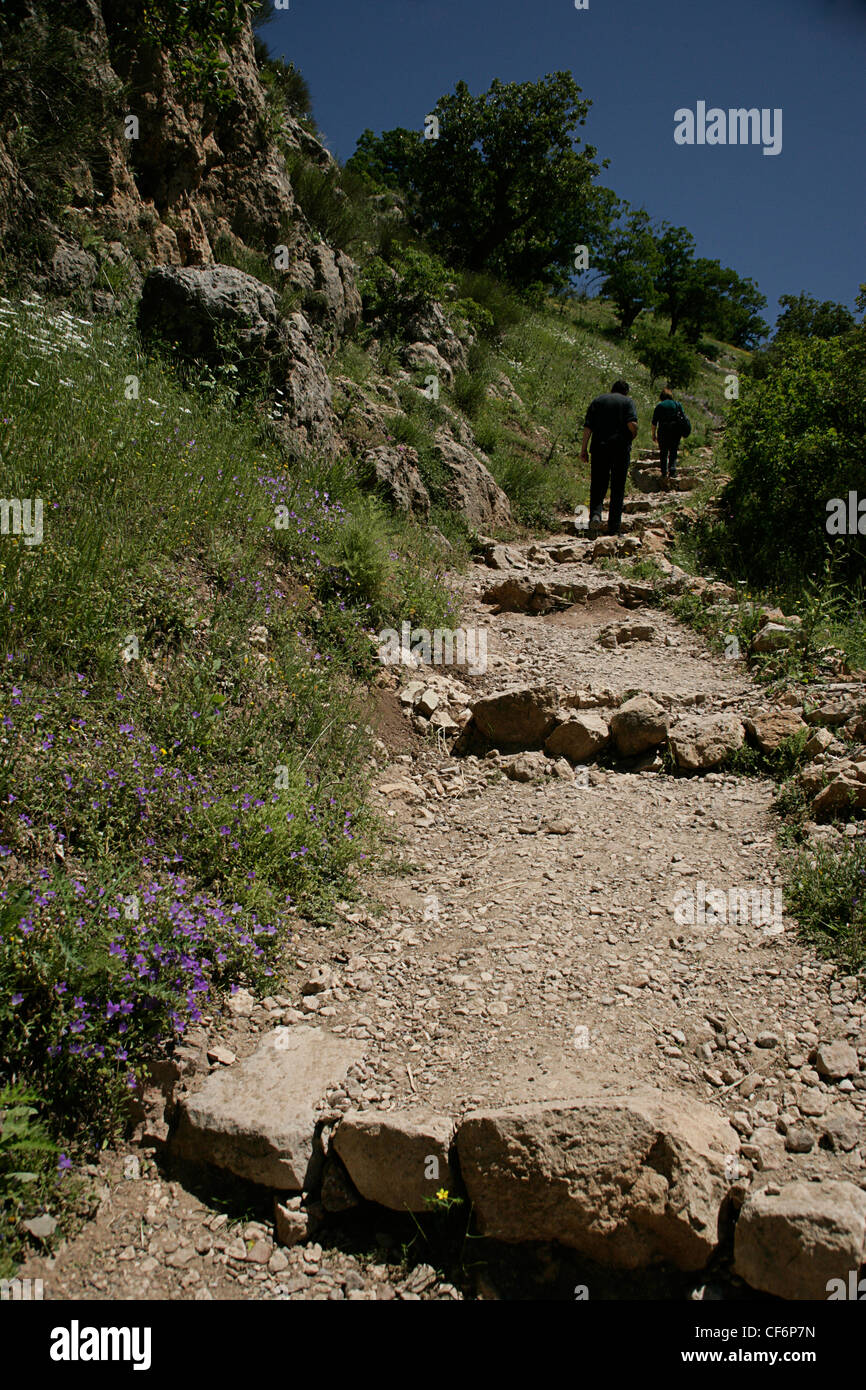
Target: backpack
column 683, row 422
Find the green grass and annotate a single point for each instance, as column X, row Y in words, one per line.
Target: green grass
column 826, row 892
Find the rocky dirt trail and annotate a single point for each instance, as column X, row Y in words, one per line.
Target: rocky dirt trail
column 577, row 963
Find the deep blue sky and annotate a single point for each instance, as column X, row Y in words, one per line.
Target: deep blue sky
column 795, row 221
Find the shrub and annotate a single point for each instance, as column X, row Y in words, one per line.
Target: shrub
column 395, row 294
column 797, row 439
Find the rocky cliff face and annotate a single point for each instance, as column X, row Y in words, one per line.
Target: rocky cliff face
column 168, row 176
column 150, row 187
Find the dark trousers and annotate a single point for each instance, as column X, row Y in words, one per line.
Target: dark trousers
column 608, row 468
column 668, row 446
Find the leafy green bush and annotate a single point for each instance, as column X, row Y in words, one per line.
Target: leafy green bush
column 502, row 308
column 395, row 294
column 796, row 440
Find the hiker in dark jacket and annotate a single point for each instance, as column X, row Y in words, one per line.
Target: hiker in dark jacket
column 666, row 431
column 611, row 423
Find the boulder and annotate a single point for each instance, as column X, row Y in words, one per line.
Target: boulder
column 396, row 1159
column 259, row 1119
column 194, row 307
column 768, row 731
column 818, row 742
column 580, row 738
column 471, row 487
column 792, row 1243
column 843, row 794
column 701, row 743
column 331, row 298
column 621, row 634
column 518, row 718
column 772, row 637
column 638, row 725
column 628, row 1181
column 396, row 474
column 207, row 313
column 72, row 268
column 427, row 358
column 526, row 767
column 431, row 326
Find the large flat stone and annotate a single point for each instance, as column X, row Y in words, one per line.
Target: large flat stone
column 628, row 1181
column 258, row 1118
column 397, row 1160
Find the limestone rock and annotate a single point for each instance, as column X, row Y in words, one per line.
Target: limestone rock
column 792, row 1243
column 842, row 794
column 700, row 743
column 772, row 637
column 836, row 1060
column 516, row 718
column 626, row 1180
column 396, row 1159
column 768, row 731
column 395, row 471
column 638, row 725
column 198, row 309
column 526, row 767
column 258, row 1119
column 580, row 738
column 472, row 489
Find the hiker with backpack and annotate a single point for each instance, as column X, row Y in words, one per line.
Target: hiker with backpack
column 670, row 424
column 611, row 423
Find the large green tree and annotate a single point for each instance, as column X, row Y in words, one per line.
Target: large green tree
column 804, row 317
column 715, row 299
column 630, row 262
column 498, row 183
column 676, row 250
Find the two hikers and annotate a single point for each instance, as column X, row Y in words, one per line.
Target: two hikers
column 667, row 431
column 611, row 423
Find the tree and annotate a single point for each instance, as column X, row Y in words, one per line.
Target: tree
column 629, row 261
column 805, row 317
column 663, row 355
column 717, row 300
column 501, row 187
column 676, row 249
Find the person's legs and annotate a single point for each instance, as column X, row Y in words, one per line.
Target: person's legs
column 664, row 449
column 599, row 478
column 619, row 473
column 672, row 458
